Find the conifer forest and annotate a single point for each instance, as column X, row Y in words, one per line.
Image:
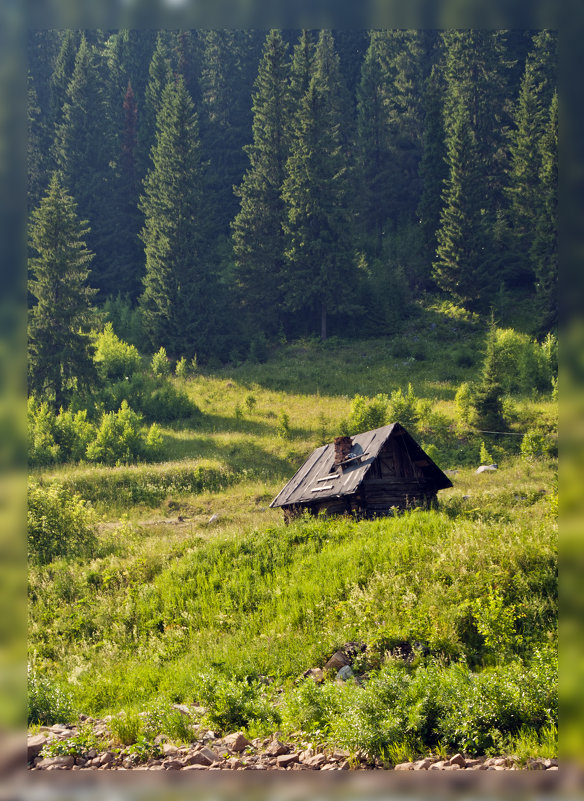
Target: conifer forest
column 233, row 185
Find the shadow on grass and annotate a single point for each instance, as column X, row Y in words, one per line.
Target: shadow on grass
column 236, row 456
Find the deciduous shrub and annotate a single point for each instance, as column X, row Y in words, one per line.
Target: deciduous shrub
column 368, row 413
column 160, row 364
column 58, row 523
column 404, row 408
column 114, row 358
column 121, row 438
column 48, row 703
column 233, row 703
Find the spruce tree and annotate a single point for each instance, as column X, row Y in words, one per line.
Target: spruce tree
column 544, row 250
column 83, row 156
column 373, row 148
column 433, row 169
column 60, row 351
column 159, row 75
column 319, row 278
column 258, row 236
column 461, row 265
column 301, row 69
column 178, row 299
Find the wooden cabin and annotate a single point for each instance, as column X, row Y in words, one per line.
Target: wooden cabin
column 368, row 475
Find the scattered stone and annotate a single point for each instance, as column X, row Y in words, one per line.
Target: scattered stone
column 284, row 760
column 57, row 761
column 457, row 759
column 316, row 761
column 422, row 764
column 237, row 742
column 169, row 750
column 213, row 518
column 345, row 673
column 487, row 468
column 172, row 764
column 404, row 766
column 276, row 748
column 338, row 660
column 437, row 765
column 193, row 766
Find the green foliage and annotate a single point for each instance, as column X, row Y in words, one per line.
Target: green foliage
column 174, row 724
column 114, row 358
column 405, row 409
column 368, row 413
column 495, row 621
column 58, row 523
column 77, row 745
column 59, row 345
column 235, row 704
column 523, row 365
column 284, row 430
column 250, row 402
column 126, row 727
column 121, row 438
column 484, row 455
column 182, row 368
column 160, row 364
column 125, row 319
column 166, row 402
column 537, row 444
column 258, row 348
column 48, row 703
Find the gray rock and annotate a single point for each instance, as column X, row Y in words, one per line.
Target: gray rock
column 316, row 674
column 487, row 468
column 345, row 673
column 213, row 518
column 459, row 760
column 57, row 761
column 34, row 746
column 422, row 764
column 404, row 766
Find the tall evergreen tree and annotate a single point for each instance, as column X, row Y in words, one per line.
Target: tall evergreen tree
column 60, row 357
column 258, row 236
column 301, row 68
column 461, row 265
column 62, row 74
column 373, row 154
column 530, row 118
column 159, row 75
column 544, row 251
column 83, row 156
column 433, row 169
column 320, row 277
column 179, row 297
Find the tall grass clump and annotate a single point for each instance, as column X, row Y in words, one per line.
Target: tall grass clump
column 48, row 703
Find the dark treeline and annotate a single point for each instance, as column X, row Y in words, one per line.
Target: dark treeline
column 238, row 185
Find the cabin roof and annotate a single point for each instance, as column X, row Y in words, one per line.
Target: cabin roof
column 318, row 478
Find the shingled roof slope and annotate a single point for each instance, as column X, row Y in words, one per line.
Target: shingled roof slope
column 318, row 478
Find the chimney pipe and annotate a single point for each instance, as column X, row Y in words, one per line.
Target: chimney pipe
column 343, row 447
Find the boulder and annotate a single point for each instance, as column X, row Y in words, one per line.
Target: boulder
column 316, row 674
column 34, row 746
column 57, row 761
column 276, row 748
column 284, row 760
column 487, row 468
column 237, row 742
column 459, row 760
column 338, row 660
column 345, row 673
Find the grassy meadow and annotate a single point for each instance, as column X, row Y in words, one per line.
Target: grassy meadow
column 194, row 591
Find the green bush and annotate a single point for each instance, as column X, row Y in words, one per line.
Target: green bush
column 42, row 447
column 522, row 365
column 58, row 523
column 404, row 409
column 233, row 703
column 284, row 425
column 368, row 413
column 160, row 364
column 73, row 432
column 47, row 702
column 114, row 358
column 121, row 438
column 537, row 444
column 182, row 368
column 166, row 403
